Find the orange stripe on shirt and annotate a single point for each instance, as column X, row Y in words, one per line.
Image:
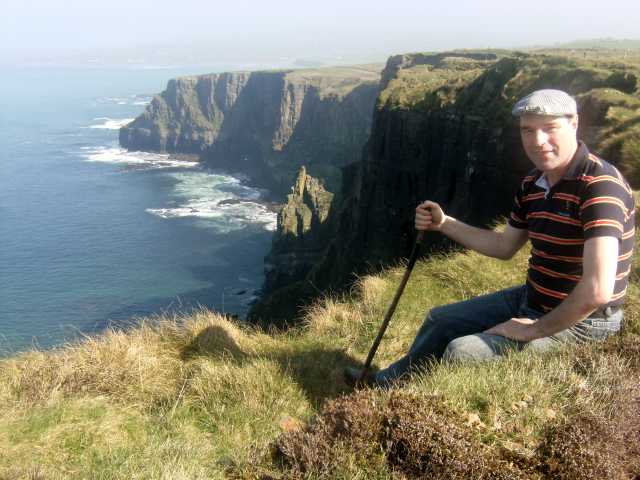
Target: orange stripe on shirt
column 616, row 296
column 622, row 275
column 566, row 196
column 603, row 223
column 541, row 254
column 553, row 216
column 612, row 200
column 625, row 256
column 552, row 273
column 556, row 240
column 533, row 196
column 605, row 178
column 562, row 258
column 629, row 234
column 548, row 291
column 517, row 218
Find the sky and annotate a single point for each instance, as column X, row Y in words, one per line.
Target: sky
column 33, row 30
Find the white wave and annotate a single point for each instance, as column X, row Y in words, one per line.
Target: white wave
column 130, row 100
column 110, row 123
column 136, row 159
column 219, row 201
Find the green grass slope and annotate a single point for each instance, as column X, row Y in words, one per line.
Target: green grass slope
column 205, row 397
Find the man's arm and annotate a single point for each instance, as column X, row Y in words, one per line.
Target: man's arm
column 503, row 245
column 594, row 290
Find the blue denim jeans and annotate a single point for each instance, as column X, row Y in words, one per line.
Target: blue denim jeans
column 454, row 332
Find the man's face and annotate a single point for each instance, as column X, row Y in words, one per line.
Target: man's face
column 549, row 142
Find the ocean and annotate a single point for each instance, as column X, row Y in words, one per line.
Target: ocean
column 93, row 236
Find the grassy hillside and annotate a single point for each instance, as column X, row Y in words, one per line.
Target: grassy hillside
column 604, row 82
column 204, row 397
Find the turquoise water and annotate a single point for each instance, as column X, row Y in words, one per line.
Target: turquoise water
column 91, row 235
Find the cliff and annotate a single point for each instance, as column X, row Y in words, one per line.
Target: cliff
column 298, row 244
column 264, row 124
column 442, row 130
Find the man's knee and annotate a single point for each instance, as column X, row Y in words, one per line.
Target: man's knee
column 462, row 349
column 478, row 347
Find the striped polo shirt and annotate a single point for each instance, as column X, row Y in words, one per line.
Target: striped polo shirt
column 591, row 200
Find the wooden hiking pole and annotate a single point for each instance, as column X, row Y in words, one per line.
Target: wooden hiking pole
column 392, row 307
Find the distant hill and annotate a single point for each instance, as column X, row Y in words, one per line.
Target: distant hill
column 599, row 43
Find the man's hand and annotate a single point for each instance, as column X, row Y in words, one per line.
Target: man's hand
column 521, row 329
column 429, row 216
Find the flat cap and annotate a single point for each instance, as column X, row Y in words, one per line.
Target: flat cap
column 546, row 102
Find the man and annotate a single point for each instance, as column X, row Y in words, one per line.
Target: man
column 578, row 212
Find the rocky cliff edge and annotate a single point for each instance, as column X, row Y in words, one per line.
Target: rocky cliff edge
column 264, row 124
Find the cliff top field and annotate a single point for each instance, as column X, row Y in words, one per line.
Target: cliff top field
column 336, row 81
column 204, row 397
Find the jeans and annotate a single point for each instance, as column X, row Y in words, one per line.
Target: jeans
column 454, row 332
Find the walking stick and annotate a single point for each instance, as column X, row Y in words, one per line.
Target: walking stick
column 392, row 307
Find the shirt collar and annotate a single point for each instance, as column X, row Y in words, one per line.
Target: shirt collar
column 576, row 166
column 543, row 183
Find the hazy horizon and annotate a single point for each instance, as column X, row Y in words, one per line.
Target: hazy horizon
column 195, row 31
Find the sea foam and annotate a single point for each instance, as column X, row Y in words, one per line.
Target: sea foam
column 133, row 159
column 129, row 100
column 219, row 201
column 110, row 123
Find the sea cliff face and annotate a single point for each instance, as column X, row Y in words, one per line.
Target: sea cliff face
column 442, row 130
column 299, row 243
column 264, row 124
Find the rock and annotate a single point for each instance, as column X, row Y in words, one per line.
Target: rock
column 301, row 235
column 264, row 124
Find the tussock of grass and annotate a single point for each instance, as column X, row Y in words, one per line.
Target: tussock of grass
column 205, row 397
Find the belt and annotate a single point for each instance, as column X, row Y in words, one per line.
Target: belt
column 605, row 312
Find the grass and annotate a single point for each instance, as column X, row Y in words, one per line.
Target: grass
column 620, row 137
column 205, row 397
column 428, row 86
column 337, row 82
